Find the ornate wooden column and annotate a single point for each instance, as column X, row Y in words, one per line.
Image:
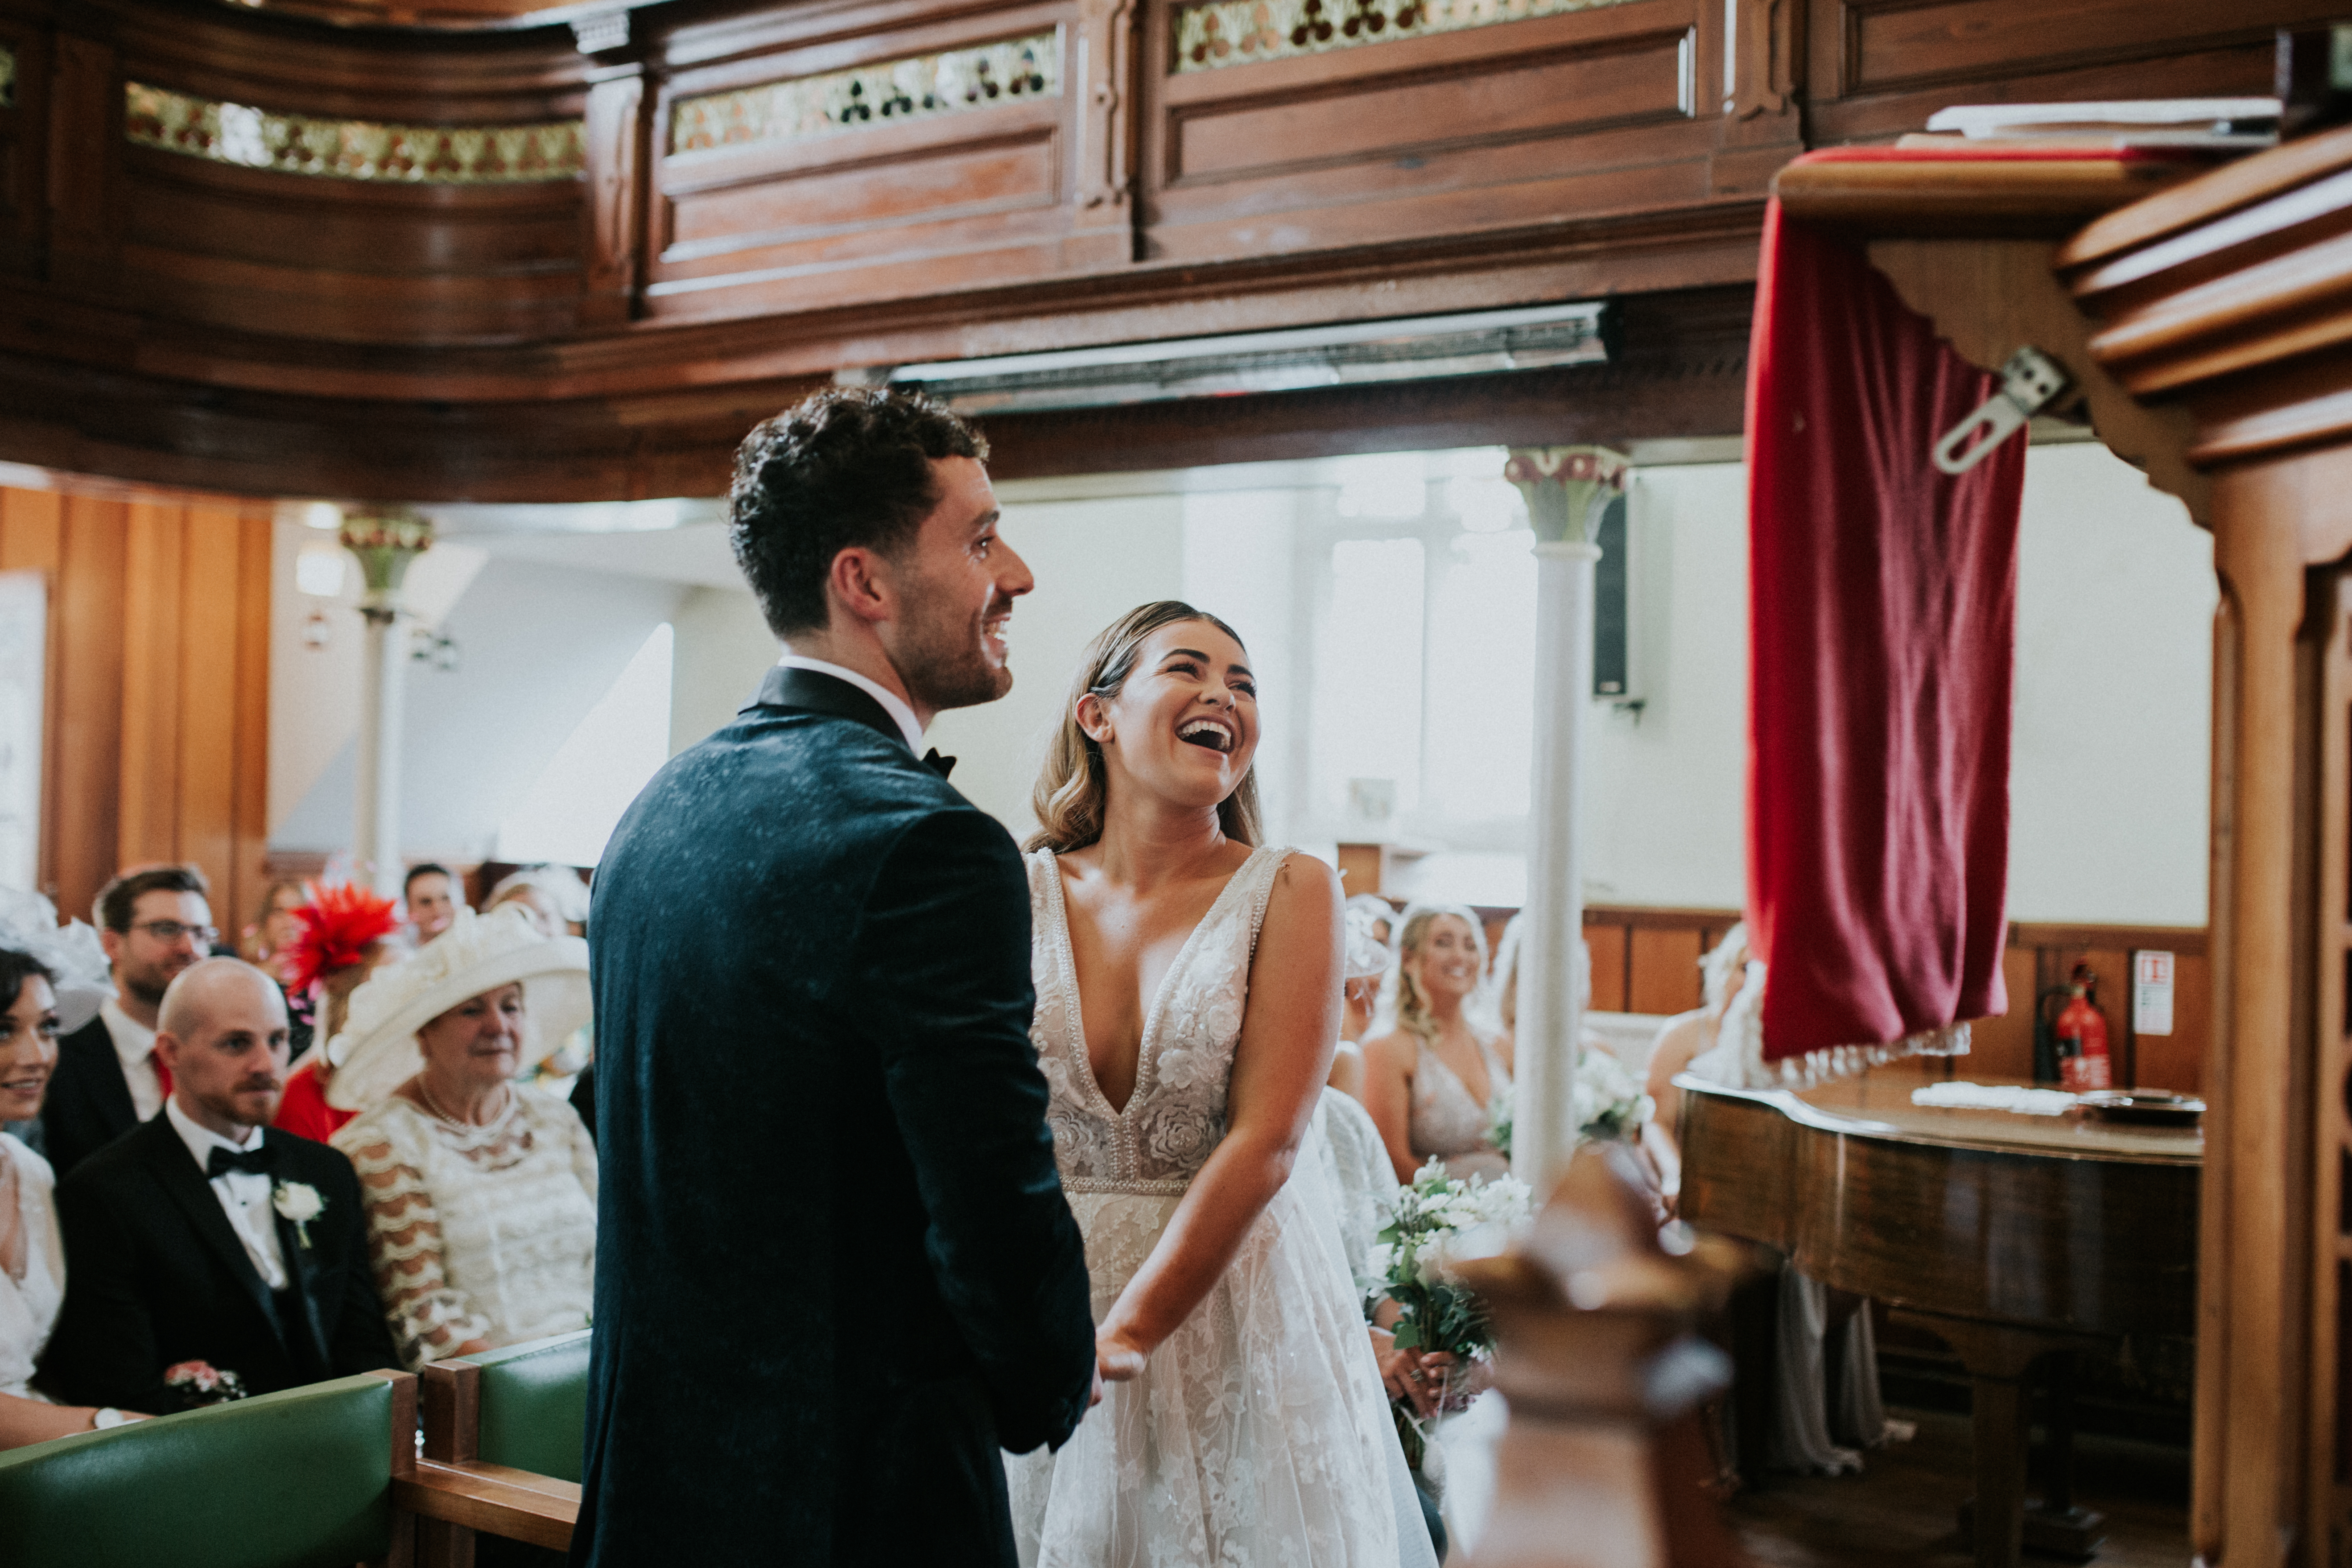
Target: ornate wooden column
column 1604, row 1461
column 1567, row 488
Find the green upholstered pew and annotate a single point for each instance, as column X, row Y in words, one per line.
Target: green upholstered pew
column 504, row 1428
column 280, row 1480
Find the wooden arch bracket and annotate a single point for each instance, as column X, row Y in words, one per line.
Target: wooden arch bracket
column 1988, row 298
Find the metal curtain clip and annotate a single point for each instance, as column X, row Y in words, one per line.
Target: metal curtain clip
column 2029, row 382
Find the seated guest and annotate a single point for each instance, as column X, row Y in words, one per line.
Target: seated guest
column 79, row 975
column 347, row 934
column 32, row 1257
column 1686, row 1037
column 557, row 901
column 433, row 901
column 1366, row 960
column 267, row 943
column 1380, row 912
column 555, row 896
column 154, row 923
column 1360, row 1187
column 206, row 1236
column 1432, row 1076
column 1826, row 1405
column 481, row 1193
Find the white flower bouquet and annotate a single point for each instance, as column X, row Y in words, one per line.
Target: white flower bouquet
column 1608, row 1103
column 1437, row 1223
column 1433, row 1225
column 1608, row 1100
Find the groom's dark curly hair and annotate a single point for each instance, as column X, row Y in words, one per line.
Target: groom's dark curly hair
column 848, row 467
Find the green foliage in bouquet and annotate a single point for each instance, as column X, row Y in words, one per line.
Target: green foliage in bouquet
column 1431, row 1224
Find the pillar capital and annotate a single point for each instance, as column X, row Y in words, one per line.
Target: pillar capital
column 1567, row 488
column 385, row 543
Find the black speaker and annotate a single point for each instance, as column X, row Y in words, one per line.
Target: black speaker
column 1612, row 638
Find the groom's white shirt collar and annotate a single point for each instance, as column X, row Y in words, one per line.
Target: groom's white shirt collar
column 892, row 703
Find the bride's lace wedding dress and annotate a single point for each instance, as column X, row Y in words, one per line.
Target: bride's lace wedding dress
column 1257, row 1433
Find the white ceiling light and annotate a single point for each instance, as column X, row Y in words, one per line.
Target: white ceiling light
column 1416, row 348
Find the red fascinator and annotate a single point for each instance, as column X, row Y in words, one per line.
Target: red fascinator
column 339, row 925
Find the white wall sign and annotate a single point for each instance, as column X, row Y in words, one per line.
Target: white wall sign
column 2152, row 992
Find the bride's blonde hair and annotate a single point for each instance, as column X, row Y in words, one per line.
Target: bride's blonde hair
column 1068, row 799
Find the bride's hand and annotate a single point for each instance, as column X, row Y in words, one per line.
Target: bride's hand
column 1117, row 1358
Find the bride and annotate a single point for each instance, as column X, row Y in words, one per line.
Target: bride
column 1188, row 998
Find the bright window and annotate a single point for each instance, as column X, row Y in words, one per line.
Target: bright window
column 1423, row 592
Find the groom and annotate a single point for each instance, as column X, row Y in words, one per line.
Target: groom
column 834, row 1270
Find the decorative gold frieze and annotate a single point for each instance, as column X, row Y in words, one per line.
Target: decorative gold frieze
column 354, row 149
column 915, row 88
column 1218, row 33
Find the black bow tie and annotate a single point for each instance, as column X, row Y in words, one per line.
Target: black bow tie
column 939, row 764
column 260, row 1161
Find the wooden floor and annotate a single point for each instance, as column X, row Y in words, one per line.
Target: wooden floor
column 1900, row 1509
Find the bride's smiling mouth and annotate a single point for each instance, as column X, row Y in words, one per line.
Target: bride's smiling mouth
column 1215, row 734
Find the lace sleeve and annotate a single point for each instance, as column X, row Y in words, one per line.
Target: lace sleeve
column 430, row 1317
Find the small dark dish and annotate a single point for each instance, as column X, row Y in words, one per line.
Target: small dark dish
column 2153, row 1107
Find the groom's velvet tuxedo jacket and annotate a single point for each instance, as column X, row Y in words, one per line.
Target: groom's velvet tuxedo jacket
column 834, row 1267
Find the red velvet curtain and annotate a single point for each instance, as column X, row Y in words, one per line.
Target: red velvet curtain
column 1882, row 605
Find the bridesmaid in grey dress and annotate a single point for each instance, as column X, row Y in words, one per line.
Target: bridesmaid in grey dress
column 1431, row 1075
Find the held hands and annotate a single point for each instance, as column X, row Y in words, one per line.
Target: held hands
column 1117, row 1358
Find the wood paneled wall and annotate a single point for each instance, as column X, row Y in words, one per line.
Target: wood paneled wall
column 1646, row 960
column 158, row 711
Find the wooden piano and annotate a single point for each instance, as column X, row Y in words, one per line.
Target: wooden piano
column 2010, row 1237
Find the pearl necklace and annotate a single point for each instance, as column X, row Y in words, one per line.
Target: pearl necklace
column 424, row 1093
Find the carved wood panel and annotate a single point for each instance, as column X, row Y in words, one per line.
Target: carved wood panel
column 1514, row 124
column 905, row 162
column 1879, row 67
column 307, row 318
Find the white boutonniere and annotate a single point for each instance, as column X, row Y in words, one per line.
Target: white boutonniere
column 300, row 1203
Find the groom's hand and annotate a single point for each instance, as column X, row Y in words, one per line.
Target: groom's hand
column 1093, row 1395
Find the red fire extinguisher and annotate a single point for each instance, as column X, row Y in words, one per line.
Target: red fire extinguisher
column 2083, row 1061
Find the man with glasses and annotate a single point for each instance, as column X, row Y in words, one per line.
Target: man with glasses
column 154, row 923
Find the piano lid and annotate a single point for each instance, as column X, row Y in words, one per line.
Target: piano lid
column 1877, row 1104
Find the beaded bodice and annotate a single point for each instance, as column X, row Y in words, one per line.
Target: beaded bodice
column 1176, row 1116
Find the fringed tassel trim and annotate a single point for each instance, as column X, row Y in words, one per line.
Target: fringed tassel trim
column 1738, row 1058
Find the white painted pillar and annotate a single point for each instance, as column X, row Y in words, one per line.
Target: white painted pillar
column 385, row 546
column 375, row 827
column 1567, row 488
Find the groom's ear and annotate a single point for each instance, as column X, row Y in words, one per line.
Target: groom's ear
column 859, row 583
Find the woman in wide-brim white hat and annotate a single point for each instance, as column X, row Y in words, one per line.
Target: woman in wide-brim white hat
column 481, row 1193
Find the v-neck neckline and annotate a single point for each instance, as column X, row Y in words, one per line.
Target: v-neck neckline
column 1486, row 1060
column 1146, row 1061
